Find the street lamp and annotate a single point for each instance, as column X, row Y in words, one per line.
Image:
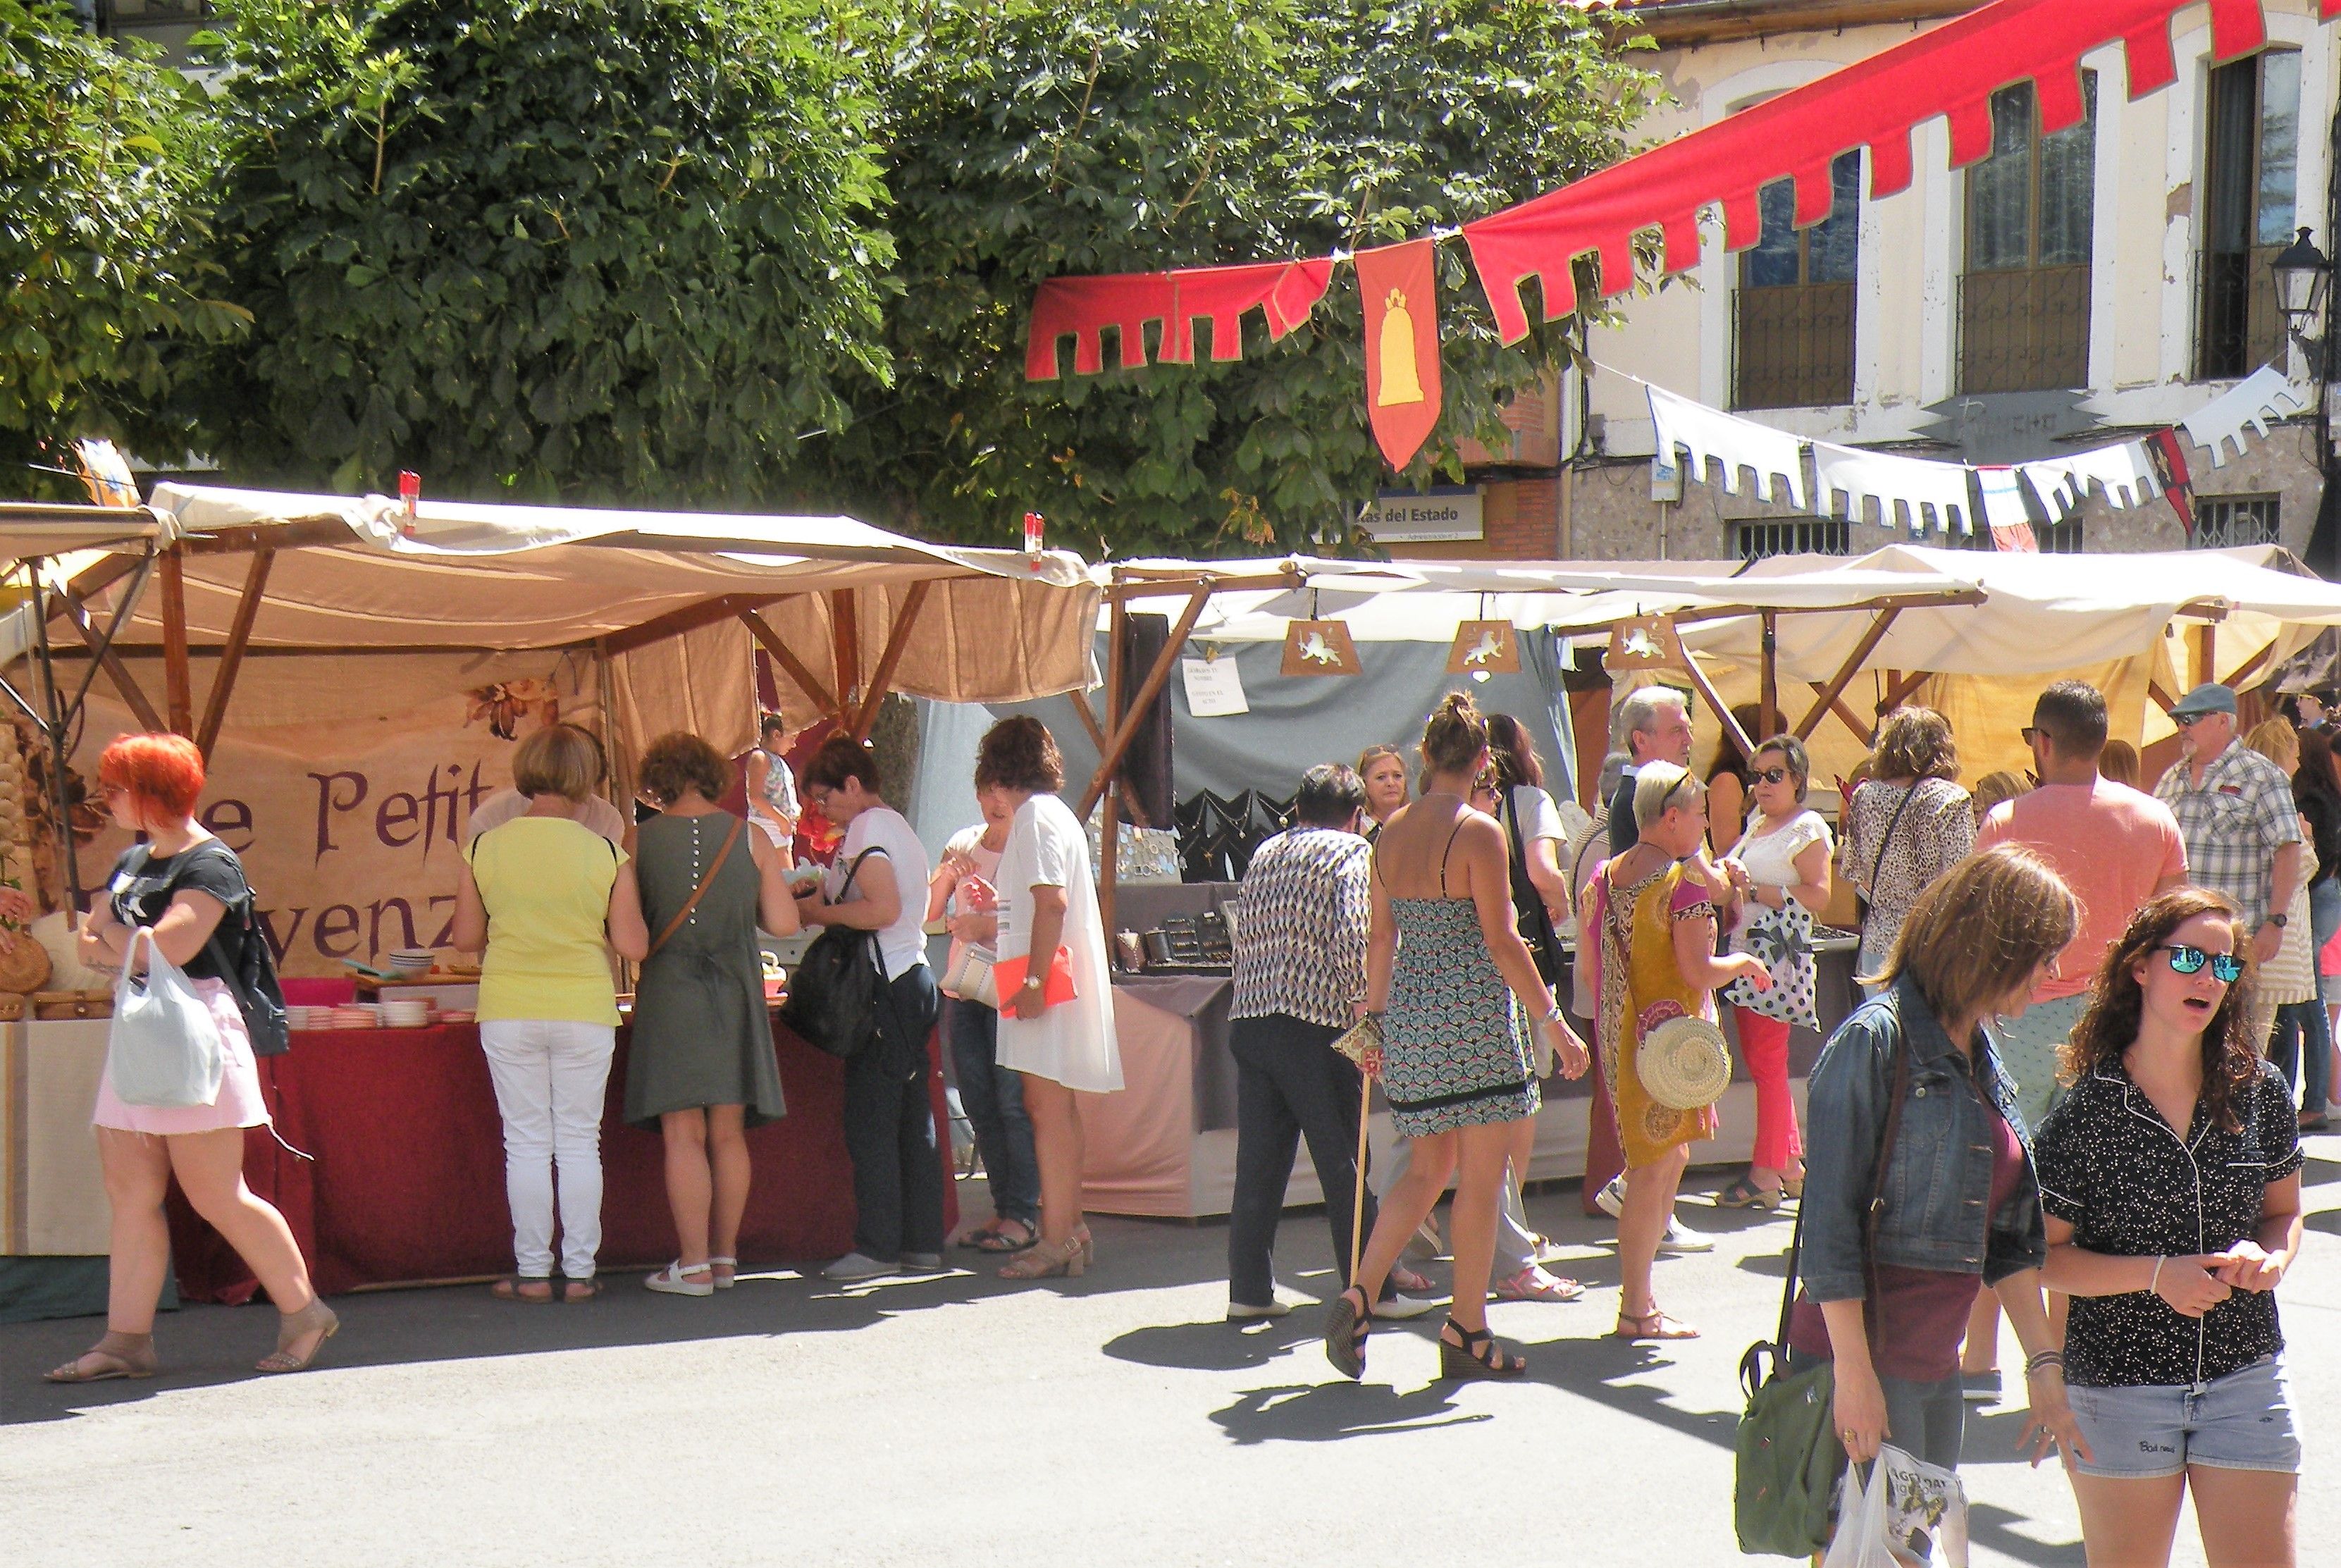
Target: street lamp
column 2302, row 277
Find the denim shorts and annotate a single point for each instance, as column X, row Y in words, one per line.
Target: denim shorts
column 2239, row 1422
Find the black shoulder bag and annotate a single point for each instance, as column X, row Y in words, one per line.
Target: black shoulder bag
column 839, row 984
column 250, row 972
column 1529, row 911
column 1789, row 1455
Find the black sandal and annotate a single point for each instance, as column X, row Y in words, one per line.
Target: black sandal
column 1479, row 1356
column 995, row 1239
column 1347, row 1324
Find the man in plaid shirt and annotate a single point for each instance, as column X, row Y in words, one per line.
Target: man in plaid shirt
column 2235, row 809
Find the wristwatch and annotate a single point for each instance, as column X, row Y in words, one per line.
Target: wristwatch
column 2279, row 921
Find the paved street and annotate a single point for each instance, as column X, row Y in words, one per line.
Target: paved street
column 959, row 1420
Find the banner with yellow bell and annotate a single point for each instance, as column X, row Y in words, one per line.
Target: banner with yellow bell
column 1399, row 285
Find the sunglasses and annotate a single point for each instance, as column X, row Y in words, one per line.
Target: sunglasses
column 2187, row 721
column 2225, row 967
column 1770, row 775
column 2028, row 732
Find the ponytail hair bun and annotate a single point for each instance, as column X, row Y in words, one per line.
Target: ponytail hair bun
column 1455, row 734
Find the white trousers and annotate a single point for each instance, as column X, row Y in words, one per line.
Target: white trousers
column 550, row 1077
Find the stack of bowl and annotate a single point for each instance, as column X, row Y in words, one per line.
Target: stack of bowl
column 410, row 963
column 406, row 1012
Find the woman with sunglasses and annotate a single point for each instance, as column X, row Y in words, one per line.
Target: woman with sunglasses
column 1781, row 867
column 2170, row 1173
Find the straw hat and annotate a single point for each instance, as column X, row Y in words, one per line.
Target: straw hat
column 1684, row 1064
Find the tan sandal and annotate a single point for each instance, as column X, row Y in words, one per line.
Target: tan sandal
column 1652, row 1325
column 1045, row 1260
column 115, row 1355
column 518, row 1288
column 293, row 1327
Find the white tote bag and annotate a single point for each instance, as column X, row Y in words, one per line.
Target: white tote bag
column 1909, row 1512
column 165, row 1049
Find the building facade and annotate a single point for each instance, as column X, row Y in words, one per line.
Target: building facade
column 2067, row 292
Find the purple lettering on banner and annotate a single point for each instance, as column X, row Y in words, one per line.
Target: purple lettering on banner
column 447, row 937
column 477, row 793
column 337, row 923
column 278, row 944
column 223, row 817
column 382, row 906
column 328, row 804
column 396, row 811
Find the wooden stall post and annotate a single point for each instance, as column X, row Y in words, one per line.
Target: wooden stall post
column 905, row 620
column 1844, row 676
column 845, row 653
column 230, row 659
column 178, row 686
column 785, row 656
column 1109, row 865
column 1767, row 700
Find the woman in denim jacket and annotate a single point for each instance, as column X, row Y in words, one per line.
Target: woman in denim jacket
column 1961, row 1204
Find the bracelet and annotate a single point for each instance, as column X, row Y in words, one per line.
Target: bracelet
column 2045, row 1358
column 1551, row 1015
column 2155, row 1278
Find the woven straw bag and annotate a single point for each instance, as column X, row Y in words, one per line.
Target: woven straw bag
column 1684, row 1064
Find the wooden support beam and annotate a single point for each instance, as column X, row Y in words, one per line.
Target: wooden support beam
column 2162, row 699
column 1865, row 733
column 782, row 655
column 906, row 619
column 298, row 535
column 1830, row 693
column 689, row 618
column 1109, row 865
column 845, row 652
column 2207, row 652
column 1714, row 700
column 92, row 582
column 1126, row 730
column 1903, row 689
column 76, row 613
column 2245, row 674
column 1768, row 692
column 239, row 637
column 1081, row 701
column 178, row 684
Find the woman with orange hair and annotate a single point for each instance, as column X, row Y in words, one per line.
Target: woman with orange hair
column 186, row 889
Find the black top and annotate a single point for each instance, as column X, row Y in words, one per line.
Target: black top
column 142, row 888
column 2324, row 813
column 2114, row 1168
column 1625, row 833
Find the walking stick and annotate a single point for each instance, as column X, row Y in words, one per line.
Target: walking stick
column 1357, row 1204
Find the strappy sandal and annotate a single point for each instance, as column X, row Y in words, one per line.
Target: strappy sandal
column 994, row 1237
column 1533, row 1283
column 292, row 1327
column 727, row 1271
column 1744, row 1194
column 577, row 1292
column 517, row 1288
column 115, row 1355
column 1652, row 1325
column 1477, row 1357
column 1046, row 1259
column 1347, row 1324
column 675, row 1279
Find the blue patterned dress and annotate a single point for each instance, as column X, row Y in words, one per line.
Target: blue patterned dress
column 1455, row 1052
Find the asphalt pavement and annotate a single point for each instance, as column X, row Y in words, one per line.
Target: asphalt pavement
column 962, row 1419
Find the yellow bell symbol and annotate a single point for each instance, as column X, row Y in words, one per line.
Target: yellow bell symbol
column 1401, row 379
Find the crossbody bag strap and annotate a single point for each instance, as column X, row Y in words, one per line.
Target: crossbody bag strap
column 698, row 893
column 1875, row 1207
column 1879, row 865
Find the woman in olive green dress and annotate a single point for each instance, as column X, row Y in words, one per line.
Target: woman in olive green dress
column 702, row 1069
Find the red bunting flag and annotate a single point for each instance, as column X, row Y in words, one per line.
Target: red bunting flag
column 1402, row 387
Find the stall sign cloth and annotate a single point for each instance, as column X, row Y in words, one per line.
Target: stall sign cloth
column 1399, row 286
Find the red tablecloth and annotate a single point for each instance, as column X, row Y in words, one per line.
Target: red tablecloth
column 408, row 1180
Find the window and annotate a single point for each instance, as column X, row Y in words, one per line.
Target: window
column 2250, row 181
column 1793, row 313
column 1753, row 538
column 2024, row 300
column 2223, row 522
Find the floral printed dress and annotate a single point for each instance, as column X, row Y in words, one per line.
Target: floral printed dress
column 1641, row 987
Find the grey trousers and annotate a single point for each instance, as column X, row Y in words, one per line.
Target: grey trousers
column 1514, row 1242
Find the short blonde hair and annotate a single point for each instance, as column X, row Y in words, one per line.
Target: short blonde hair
column 1994, row 787
column 2276, row 741
column 1981, row 929
column 1659, row 787
column 558, row 759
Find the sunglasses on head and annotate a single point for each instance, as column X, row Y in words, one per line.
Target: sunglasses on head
column 1770, row 775
column 2225, row 967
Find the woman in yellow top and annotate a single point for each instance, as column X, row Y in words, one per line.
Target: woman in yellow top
column 548, row 899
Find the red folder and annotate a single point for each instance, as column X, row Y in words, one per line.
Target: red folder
column 1009, row 975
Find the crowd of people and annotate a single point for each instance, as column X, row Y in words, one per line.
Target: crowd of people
column 2095, row 1024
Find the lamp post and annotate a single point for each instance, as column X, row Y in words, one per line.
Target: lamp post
column 2304, row 280
column 2303, row 275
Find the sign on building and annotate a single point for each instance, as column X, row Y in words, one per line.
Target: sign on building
column 1441, row 513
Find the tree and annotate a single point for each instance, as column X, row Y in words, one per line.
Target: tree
column 1035, row 137
column 104, row 157
column 606, row 249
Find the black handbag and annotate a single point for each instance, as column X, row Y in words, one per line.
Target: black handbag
column 1529, row 911
column 258, row 995
column 839, row 984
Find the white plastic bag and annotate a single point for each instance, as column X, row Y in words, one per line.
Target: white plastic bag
column 1910, row 1512
column 164, row 1048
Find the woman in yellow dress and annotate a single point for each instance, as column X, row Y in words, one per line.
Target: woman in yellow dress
column 1655, row 910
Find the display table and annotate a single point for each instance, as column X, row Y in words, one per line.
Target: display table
column 407, row 1180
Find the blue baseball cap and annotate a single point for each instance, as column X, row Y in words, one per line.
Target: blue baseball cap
column 2210, row 697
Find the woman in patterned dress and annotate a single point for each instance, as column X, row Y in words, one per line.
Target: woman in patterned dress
column 1656, row 916
column 1448, row 975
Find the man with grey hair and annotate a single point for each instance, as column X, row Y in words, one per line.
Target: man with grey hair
column 1651, row 724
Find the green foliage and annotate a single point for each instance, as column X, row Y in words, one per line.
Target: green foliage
column 103, row 159
column 592, row 250
column 1036, row 137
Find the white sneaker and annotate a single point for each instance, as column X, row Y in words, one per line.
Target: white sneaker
column 1245, row 1311
column 674, row 1280
column 1611, row 1199
column 1401, row 1308
column 1681, row 1238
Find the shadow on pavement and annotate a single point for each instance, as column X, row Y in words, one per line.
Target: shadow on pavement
column 1327, row 1411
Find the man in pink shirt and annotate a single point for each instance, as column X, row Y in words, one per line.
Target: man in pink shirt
column 2114, row 847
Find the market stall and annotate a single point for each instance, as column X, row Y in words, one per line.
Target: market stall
column 357, row 670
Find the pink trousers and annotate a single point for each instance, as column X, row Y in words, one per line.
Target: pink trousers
column 1763, row 1042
